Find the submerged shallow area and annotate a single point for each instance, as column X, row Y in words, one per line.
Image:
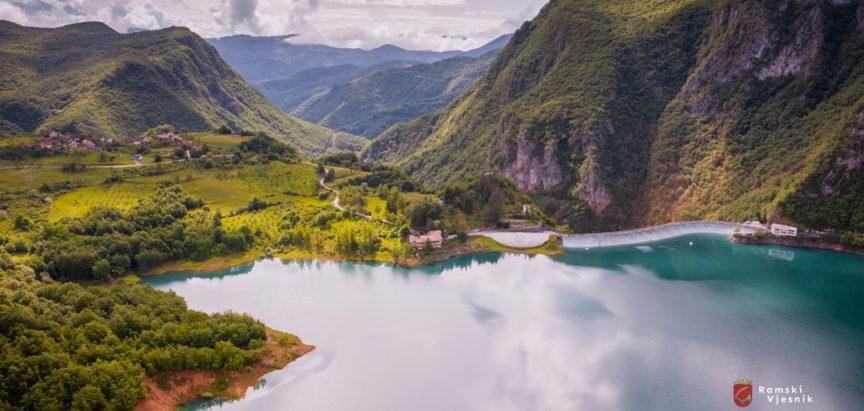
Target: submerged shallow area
column 664, row 326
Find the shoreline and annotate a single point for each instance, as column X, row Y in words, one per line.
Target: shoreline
column 167, row 390
column 171, row 389
column 475, row 245
column 795, row 242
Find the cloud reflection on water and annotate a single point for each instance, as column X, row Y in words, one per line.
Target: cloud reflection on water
column 507, row 332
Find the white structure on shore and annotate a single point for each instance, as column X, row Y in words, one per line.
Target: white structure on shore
column 651, row 234
column 784, row 230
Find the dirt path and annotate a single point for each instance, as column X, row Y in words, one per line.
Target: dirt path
column 336, row 203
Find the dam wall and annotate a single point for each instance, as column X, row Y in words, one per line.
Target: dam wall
column 651, row 234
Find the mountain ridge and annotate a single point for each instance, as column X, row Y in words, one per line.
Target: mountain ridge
column 621, row 114
column 371, row 104
column 88, row 78
column 260, row 59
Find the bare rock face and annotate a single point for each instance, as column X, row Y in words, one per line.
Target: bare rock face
column 847, row 163
column 591, row 191
column 527, row 169
column 801, row 54
column 748, row 38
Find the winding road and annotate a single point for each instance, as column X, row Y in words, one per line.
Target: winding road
column 339, row 207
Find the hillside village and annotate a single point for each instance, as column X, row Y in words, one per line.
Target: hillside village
column 55, row 141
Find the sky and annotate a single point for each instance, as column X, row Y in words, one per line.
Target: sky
column 412, row 24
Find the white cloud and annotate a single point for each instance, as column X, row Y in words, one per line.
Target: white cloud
column 416, row 24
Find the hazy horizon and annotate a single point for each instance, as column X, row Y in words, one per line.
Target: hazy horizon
column 436, row 25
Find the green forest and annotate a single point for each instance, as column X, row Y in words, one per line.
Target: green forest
column 72, row 347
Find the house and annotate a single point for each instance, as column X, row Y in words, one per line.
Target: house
column 147, row 140
column 784, row 230
column 169, row 136
column 88, row 144
column 47, row 145
column 434, row 237
column 137, row 157
column 53, row 134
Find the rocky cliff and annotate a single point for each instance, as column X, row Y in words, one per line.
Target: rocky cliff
column 628, row 113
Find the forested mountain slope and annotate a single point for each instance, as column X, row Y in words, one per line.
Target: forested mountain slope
column 290, row 92
column 628, row 112
column 89, row 79
column 371, row 104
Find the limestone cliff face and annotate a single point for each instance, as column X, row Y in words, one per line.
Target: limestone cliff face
column 643, row 112
column 751, row 81
column 752, row 38
column 591, row 190
column 532, row 168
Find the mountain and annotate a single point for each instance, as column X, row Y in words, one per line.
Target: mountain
column 370, row 105
column 260, row 59
column 89, row 79
column 619, row 114
column 290, row 92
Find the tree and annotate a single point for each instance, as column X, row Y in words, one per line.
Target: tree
column 352, row 199
column 102, row 270
column 234, row 241
column 420, row 215
column 22, row 223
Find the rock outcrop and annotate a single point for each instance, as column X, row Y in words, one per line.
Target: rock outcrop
column 532, row 168
column 643, row 113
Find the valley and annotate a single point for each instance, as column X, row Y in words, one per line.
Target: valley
column 579, row 214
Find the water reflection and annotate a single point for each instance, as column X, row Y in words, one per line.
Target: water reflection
column 665, row 326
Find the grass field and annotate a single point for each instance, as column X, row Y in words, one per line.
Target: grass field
column 23, row 179
column 291, row 189
column 78, row 202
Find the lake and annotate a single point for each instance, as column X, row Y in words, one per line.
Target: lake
column 663, row 326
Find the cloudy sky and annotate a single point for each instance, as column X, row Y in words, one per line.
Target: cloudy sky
column 416, row 24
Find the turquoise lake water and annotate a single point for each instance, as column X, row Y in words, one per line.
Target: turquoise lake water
column 664, row 326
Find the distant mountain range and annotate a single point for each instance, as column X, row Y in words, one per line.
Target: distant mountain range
column 645, row 112
column 89, row 79
column 343, row 87
column 290, row 92
column 369, row 105
column 260, row 59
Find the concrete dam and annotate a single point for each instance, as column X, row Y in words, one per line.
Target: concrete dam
column 651, row 234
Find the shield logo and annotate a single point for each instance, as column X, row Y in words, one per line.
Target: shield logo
column 742, row 393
